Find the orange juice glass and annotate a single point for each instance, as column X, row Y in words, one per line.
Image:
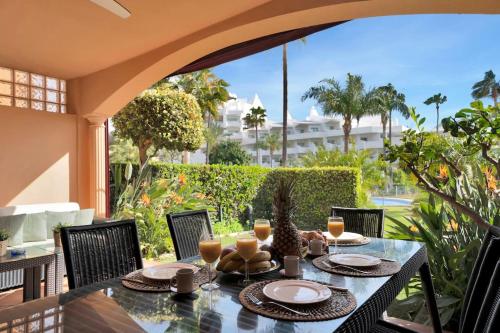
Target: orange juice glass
column 262, row 229
column 336, row 228
column 246, row 245
column 210, row 249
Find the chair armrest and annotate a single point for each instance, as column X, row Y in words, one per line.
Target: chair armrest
column 409, row 326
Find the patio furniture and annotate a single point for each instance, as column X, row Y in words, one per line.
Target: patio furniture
column 34, row 229
column 32, row 263
column 100, row 252
column 367, row 222
column 189, row 313
column 481, row 309
column 186, row 229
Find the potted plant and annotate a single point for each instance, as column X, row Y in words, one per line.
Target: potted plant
column 57, row 233
column 4, row 235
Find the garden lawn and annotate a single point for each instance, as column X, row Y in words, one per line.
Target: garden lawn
column 397, row 212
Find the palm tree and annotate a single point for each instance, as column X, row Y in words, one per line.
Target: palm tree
column 210, row 92
column 212, row 136
column 254, row 119
column 348, row 102
column 273, row 143
column 487, row 87
column 389, row 100
column 436, row 99
column 285, row 102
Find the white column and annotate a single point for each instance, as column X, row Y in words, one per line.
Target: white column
column 97, row 165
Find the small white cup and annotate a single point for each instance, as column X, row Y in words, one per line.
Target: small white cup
column 183, row 281
column 292, row 266
column 316, row 246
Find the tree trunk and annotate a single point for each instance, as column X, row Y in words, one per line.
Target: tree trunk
column 390, row 126
column 347, row 130
column 271, row 152
column 383, row 119
column 437, row 121
column 495, row 97
column 185, row 157
column 207, row 148
column 257, row 142
column 285, row 108
column 143, row 150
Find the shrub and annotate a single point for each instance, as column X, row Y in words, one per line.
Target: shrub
column 4, row 235
column 229, row 153
column 235, row 187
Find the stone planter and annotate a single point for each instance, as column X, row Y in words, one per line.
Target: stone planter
column 3, row 248
column 57, row 239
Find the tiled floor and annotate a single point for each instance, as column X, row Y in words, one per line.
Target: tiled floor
column 15, row 296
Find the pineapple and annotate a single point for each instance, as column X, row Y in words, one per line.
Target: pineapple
column 286, row 238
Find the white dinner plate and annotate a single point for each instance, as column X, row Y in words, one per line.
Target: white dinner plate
column 354, row 260
column 297, row 291
column 166, row 271
column 346, row 237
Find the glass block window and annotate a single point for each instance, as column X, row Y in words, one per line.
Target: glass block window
column 29, row 90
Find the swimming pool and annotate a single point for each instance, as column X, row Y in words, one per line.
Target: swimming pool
column 382, row 201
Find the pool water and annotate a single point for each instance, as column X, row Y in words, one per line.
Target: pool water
column 381, row 201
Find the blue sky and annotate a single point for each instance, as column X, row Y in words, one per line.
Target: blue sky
column 419, row 54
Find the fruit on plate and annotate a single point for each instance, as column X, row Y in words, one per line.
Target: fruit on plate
column 227, row 250
column 233, row 262
column 255, row 267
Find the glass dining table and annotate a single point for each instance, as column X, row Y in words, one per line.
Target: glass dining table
column 110, row 307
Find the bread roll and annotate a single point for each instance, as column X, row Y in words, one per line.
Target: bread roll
column 227, row 258
column 255, row 267
column 260, row 256
column 232, row 265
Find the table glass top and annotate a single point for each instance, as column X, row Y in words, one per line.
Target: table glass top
column 115, row 308
column 31, row 252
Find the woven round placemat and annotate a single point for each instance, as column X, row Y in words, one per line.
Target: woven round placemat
column 136, row 281
column 385, row 268
column 338, row 305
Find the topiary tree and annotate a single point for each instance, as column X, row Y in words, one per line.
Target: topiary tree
column 163, row 118
column 229, row 153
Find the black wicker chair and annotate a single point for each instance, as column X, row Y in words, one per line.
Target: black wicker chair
column 367, row 222
column 481, row 308
column 186, row 229
column 99, row 252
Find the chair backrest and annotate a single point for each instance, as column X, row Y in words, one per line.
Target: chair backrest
column 99, row 252
column 186, row 229
column 367, row 222
column 481, row 308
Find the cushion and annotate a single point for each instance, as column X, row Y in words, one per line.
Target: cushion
column 54, row 218
column 35, row 227
column 13, row 224
column 84, row 216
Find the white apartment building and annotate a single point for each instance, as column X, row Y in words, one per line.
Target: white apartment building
column 303, row 135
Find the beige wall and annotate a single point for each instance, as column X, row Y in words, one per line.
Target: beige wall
column 38, row 157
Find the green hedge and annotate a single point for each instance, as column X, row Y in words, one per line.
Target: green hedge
column 235, row 187
column 316, row 191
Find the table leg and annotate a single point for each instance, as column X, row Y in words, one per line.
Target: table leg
column 425, row 275
column 28, row 284
column 50, row 270
column 37, row 281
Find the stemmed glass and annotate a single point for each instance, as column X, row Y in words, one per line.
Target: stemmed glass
column 262, row 229
column 336, row 228
column 210, row 250
column 246, row 245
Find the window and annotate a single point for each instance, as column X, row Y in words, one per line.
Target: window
column 315, row 129
column 28, row 90
column 233, row 118
column 332, row 127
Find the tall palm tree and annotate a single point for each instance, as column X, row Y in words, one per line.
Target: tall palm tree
column 210, row 92
column 437, row 99
column 212, row 135
column 487, row 87
column 254, row 119
column 389, row 100
column 348, row 101
column 273, row 143
column 285, row 102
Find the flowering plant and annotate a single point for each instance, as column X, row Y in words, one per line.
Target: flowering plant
column 148, row 200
